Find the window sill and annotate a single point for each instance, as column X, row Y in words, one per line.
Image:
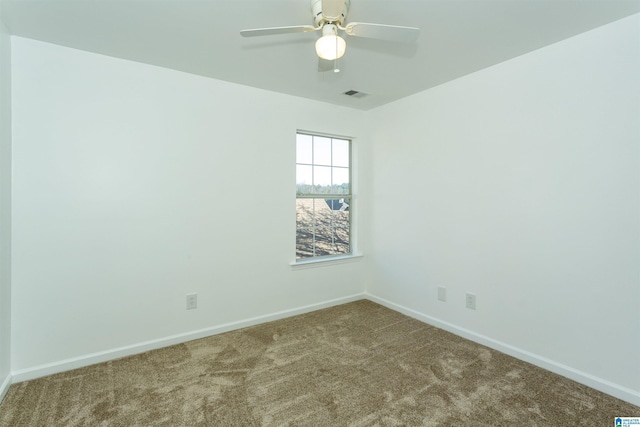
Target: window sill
column 323, row 262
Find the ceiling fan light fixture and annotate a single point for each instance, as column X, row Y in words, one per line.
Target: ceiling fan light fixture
column 330, row 46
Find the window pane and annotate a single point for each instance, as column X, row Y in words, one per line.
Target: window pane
column 304, row 149
column 324, row 241
column 304, row 213
column 322, row 179
column 340, row 152
column 340, row 181
column 304, row 179
column 323, row 214
column 304, row 174
column 341, row 241
column 304, row 243
column 341, row 216
column 333, row 204
column 322, row 151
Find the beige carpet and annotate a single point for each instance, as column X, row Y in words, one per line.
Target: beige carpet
column 358, row 364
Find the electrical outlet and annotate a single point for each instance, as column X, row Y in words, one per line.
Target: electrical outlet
column 471, row 301
column 192, row 301
column 442, row 293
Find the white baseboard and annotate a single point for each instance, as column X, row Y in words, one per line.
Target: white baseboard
column 624, row 393
column 104, row 356
column 4, row 387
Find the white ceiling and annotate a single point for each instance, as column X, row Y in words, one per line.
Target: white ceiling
column 202, row 37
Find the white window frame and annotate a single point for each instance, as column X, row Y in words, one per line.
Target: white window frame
column 318, row 261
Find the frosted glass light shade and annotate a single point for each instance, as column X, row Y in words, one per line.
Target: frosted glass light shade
column 331, row 47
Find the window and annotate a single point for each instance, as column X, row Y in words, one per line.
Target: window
column 323, row 196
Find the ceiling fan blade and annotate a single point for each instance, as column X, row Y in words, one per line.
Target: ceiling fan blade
column 381, row 31
column 332, row 9
column 277, row 30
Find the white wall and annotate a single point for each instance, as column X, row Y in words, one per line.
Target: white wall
column 5, row 209
column 136, row 185
column 520, row 183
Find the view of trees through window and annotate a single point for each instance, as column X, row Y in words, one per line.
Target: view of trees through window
column 323, row 196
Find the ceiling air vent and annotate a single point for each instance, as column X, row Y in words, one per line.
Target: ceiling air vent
column 355, row 94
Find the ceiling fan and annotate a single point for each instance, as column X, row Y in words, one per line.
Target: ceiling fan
column 329, row 17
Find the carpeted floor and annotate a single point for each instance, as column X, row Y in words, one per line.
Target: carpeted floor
column 358, row 364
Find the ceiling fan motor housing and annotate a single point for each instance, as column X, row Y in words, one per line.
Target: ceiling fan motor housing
column 331, row 12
